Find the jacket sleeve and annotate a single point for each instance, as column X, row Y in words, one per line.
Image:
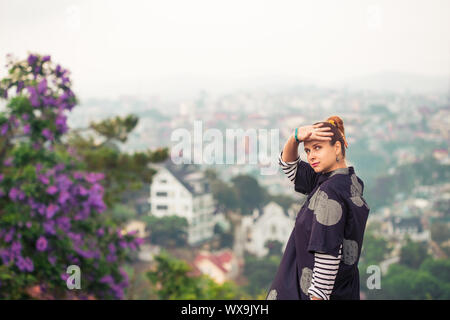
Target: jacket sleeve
column 300, row 173
column 328, row 222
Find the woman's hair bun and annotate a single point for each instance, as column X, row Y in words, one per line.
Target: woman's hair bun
column 337, row 122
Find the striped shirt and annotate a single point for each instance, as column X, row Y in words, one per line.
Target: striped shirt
column 325, row 266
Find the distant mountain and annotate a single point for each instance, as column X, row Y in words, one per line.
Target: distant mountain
column 397, row 82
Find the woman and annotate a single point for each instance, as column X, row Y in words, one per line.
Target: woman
column 321, row 257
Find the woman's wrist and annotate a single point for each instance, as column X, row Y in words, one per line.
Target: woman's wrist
column 296, row 135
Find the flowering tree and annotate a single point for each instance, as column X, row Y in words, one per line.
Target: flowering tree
column 50, row 208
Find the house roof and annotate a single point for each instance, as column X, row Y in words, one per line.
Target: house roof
column 218, row 259
column 262, row 211
column 189, row 175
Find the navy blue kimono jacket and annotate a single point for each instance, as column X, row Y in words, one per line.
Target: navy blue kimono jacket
column 334, row 214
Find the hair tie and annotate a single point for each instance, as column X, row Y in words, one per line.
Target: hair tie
column 332, row 122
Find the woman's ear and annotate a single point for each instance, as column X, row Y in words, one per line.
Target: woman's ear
column 337, row 147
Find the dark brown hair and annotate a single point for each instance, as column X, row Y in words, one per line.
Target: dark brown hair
column 337, row 127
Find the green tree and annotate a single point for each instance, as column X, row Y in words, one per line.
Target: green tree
column 170, row 231
column 249, row 193
column 402, row 282
column 127, row 173
column 412, row 254
column 260, row 272
column 440, row 268
column 172, row 281
column 49, row 204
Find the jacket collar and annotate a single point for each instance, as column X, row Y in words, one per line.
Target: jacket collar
column 348, row 171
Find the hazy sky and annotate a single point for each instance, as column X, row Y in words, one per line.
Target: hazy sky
column 167, row 46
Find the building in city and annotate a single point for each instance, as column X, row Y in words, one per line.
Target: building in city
column 183, row 190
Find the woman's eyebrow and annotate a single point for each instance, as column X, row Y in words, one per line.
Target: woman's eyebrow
column 315, row 144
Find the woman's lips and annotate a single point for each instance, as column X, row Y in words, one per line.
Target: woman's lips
column 314, row 164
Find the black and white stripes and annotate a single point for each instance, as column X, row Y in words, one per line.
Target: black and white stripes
column 324, row 274
column 289, row 168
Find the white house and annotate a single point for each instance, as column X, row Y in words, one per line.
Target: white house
column 183, row 190
column 270, row 224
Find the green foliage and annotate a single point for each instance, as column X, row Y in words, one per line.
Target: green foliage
column 249, row 193
column 374, row 250
column 172, row 282
column 402, row 282
column 170, row 231
column 413, row 254
column 127, row 173
column 225, row 237
column 260, row 272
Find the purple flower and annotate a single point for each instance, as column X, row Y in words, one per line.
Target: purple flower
column 64, row 276
column 4, row 129
column 63, row 223
column 112, row 248
column 8, row 162
column 47, row 134
column 42, row 86
column 93, row 177
column 26, row 128
column 43, row 179
column 20, row 86
column 41, row 244
column 34, row 98
column 49, row 227
column 63, row 181
column 24, row 264
column 32, row 59
column 52, row 260
column 59, row 167
column 49, row 101
column 63, row 197
column 123, row 244
column 42, row 209
column 111, row 257
column 52, row 190
column 6, row 256
column 51, row 210
column 28, row 224
column 16, row 248
column 82, row 191
column 139, row 241
column 26, row 117
column 45, row 58
column 107, row 279
column 78, row 175
column 58, row 70
column 15, row 194
column 100, row 232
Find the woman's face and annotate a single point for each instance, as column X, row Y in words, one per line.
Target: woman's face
column 321, row 155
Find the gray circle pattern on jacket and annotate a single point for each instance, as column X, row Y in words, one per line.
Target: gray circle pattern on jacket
column 272, row 295
column 356, row 191
column 328, row 211
column 305, row 279
column 349, row 251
